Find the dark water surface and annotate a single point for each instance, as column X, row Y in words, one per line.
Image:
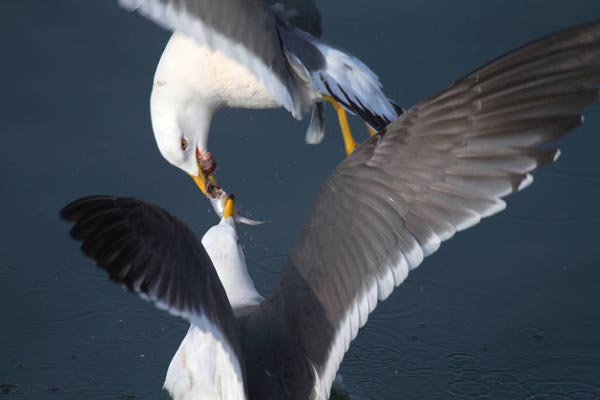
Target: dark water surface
column 507, row 310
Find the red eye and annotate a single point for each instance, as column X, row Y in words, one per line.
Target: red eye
column 184, row 144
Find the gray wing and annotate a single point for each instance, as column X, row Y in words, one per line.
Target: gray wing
column 301, row 14
column 155, row 255
column 436, row 170
column 245, row 30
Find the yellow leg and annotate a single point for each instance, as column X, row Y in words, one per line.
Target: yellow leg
column 349, row 142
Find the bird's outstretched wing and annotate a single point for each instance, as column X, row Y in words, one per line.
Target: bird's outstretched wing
column 301, row 14
column 438, row 169
column 153, row 254
column 245, row 30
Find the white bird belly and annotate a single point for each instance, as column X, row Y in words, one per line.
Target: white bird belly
column 211, row 74
column 204, row 368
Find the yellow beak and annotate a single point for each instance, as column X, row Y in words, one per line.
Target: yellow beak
column 200, row 181
column 229, row 210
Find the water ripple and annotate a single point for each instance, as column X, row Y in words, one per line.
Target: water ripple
column 370, row 384
column 534, row 333
column 126, row 327
column 501, row 378
column 573, row 364
column 461, row 360
column 573, row 174
column 544, row 221
column 68, row 303
column 471, row 375
column 267, row 270
column 468, row 389
column 562, row 389
column 379, row 358
column 8, row 388
column 418, row 298
column 271, row 265
column 8, row 271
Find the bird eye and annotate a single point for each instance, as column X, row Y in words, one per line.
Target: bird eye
column 184, row 144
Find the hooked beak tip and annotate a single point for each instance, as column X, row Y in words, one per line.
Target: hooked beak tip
column 200, row 182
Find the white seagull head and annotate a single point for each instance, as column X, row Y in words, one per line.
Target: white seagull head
column 180, row 125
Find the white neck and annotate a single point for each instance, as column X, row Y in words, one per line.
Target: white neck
column 239, row 287
column 228, row 258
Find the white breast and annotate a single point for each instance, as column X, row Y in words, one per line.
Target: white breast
column 211, row 74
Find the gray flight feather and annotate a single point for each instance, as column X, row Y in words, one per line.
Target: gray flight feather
column 301, row 14
column 437, row 169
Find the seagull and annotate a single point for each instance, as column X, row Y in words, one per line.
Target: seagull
column 437, row 169
column 250, row 54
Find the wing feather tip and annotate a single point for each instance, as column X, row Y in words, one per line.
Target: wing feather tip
column 130, row 5
column 525, row 183
column 468, row 222
column 432, row 246
column 499, row 206
column 558, row 154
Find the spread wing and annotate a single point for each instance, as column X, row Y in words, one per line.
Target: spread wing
column 436, row 170
column 245, row 30
column 301, row 14
column 153, row 254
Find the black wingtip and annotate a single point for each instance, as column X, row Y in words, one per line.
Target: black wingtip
column 77, row 208
column 399, row 109
column 67, row 212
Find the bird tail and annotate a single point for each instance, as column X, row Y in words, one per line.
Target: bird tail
column 352, row 84
column 341, row 76
column 316, row 128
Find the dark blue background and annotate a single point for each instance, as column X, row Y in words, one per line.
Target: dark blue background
column 506, row 310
